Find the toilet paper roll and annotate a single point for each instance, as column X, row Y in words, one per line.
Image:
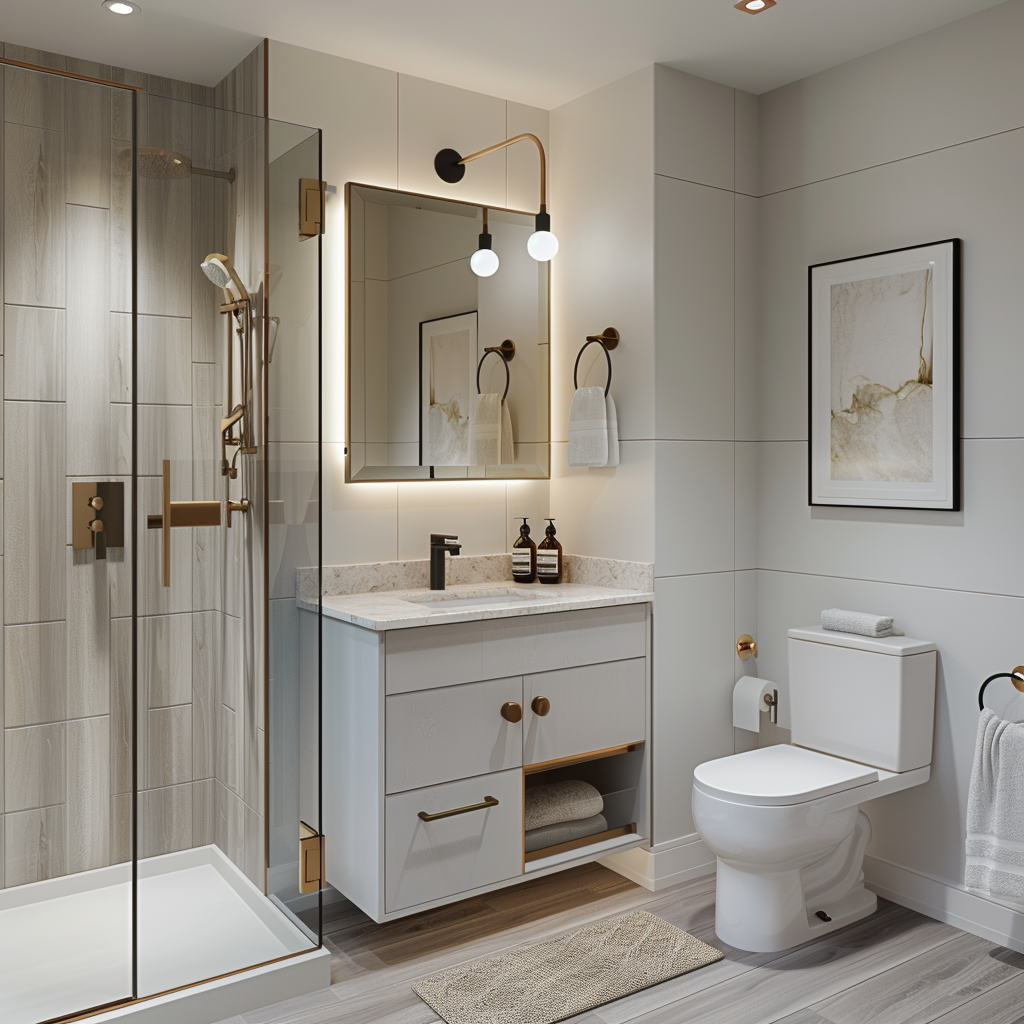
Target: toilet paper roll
column 748, row 702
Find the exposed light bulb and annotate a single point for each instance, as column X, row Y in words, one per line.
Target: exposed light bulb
column 542, row 245
column 483, row 262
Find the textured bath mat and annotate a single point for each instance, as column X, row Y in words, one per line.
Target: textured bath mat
column 558, row 978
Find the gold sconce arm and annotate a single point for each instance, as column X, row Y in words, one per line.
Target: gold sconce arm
column 451, row 166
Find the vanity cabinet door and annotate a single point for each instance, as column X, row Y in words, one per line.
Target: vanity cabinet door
column 451, row 732
column 430, row 860
column 588, row 708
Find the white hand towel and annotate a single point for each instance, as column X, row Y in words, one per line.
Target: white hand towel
column 588, row 428
column 613, row 432
column 485, row 430
column 864, row 623
column 995, row 824
column 508, row 450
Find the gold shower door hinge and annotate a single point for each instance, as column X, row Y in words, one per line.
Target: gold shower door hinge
column 312, row 208
column 311, row 859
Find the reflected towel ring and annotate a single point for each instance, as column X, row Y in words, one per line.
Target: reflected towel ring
column 608, row 340
column 507, row 351
column 1017, row 675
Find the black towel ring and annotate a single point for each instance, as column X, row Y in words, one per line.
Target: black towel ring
column 608, row 340
column 507, row 351
column 1017, row 675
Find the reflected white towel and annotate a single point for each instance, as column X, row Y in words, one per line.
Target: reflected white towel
column 485, row 430
column 613, row 432
column 588, row 428
column 995, row 824
column 864, row 623
column 508, row 451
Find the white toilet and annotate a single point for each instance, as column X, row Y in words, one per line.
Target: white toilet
column 784, row 821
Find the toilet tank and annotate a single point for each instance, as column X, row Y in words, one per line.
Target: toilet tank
column 869, row 699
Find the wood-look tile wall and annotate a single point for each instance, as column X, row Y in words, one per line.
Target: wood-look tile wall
column 65, row 337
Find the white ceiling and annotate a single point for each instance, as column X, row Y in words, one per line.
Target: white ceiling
column 541, row 52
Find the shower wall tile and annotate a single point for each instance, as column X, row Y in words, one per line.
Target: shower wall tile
column 154, row 598
column 229, row 748
column 164, row 252
column 120, row 828
column 34, row 216
column 207, row 482
column 119, row 381
column 165, row 823
column 207, row 567
column 34, row 523
column 34, row 767
column 170, row 746
column 204, row 816
column 34, row 843
column 35, row 674
column 165, row 432
column 87, row 128
column 90, row 447
column 165, row 660
column 32, row 98
column 120, row 227
column 34, row 356
column 229, row 823
column 120, row 706
column 88, row 793
column 165, row 360
column 252, row 852
column 88, row 633
column 207, row 667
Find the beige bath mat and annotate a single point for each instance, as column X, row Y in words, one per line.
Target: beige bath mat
column 552, row 980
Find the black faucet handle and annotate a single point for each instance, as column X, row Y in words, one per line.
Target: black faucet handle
column 441, row 540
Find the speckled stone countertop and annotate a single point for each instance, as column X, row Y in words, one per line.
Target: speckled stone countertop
column 373, row 595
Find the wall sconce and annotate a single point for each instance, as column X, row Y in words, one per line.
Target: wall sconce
column 754, row 6
column 484, row 261
column 542, row 244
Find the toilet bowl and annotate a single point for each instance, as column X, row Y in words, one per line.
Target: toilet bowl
column 784, row 821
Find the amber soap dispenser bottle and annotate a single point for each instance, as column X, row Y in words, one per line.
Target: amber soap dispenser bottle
column 549, row 556
column 524, row 556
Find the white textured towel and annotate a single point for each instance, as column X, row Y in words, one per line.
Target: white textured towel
column 508, row 451
column 588, row 428
column 864, row 623
column 485, row 430
column 613, row 432
column 995, row 824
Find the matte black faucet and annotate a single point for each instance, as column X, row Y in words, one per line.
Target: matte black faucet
column 439, row 544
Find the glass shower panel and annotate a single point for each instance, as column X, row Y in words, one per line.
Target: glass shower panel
column 66, row 884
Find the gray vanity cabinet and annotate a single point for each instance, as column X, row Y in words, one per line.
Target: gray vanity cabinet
column 423, row 770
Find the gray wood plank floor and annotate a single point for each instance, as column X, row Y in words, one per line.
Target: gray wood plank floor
column 897, row 967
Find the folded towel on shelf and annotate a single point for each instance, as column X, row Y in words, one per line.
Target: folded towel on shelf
column 864, row 623
column 556, row 802
column 564, row 832
column 588, row 428
column 485, row 430
column 613, row 431
column 508, row 452
column 995, row 824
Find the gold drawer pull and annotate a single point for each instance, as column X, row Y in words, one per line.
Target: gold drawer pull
column 512, row 712
column 540, row 706
column 489, row 801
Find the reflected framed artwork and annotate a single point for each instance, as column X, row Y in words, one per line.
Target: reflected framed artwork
column 447, row 388
column 884, row 379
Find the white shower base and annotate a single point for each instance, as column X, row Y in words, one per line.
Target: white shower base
column 65, row 944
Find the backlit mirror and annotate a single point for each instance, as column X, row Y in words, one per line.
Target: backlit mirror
column 447, row 371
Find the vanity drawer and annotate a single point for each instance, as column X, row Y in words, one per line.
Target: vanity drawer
column 450, row 732
column 591, row 708
column 465, row 652
column 429, row 860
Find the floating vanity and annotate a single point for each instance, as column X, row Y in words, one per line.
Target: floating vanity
column 442, row 708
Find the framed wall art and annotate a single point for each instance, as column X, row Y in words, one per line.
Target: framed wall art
column 885, row 379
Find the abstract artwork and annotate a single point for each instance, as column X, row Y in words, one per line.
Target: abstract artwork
column 447, row 388
column 884, row 379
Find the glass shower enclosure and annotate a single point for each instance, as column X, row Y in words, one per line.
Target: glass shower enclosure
column 160, row 487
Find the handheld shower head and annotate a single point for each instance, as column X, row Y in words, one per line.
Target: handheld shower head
column 219, row 269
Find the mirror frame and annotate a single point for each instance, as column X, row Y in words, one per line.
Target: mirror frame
column 349, row 185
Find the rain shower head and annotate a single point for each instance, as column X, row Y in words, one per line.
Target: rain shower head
column 220, row 270
column 165, row 164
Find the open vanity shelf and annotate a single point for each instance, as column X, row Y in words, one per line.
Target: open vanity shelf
column 431, row 740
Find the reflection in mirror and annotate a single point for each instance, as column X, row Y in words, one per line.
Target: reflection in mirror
column 447, row 371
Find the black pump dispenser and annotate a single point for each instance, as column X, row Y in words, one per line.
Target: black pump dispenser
column 549, row 556
column 524, row 555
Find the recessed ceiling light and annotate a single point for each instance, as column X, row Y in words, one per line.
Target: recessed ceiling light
column 754, row 6
column 127, row 7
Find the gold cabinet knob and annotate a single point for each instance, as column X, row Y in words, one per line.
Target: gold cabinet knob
column 512, row 712
column 746, row 646
column 540, row 706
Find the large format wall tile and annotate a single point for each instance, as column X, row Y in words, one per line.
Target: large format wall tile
column 88, row 793
column 31, row 97
column 165, row 823
column 165, row 660
column 87, row 127
column 34, row 197
column 34, row 523
column 170, row 745
column 35, row 674
column 34, row 353
column 88, row 631
column 34, row 767
column 34, row 844
column 165, row 360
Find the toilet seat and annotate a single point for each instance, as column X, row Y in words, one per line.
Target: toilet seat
column 782, row 774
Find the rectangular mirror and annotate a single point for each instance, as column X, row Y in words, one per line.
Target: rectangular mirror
column 435, row 389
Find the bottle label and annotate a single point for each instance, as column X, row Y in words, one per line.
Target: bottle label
column 521, row 560
column 547, row 563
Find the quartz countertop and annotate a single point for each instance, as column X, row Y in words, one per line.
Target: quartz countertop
column 398, row 609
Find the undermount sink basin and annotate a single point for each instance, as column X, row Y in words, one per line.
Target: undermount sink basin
column 440, row 604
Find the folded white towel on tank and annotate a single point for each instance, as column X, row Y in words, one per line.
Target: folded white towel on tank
column 864, row 623
column 995, row 824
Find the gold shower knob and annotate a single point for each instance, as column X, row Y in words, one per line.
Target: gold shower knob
column 746, row 646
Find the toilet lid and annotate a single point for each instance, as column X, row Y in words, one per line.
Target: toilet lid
column 780, row 774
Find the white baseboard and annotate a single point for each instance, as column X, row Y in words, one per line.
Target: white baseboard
column 952, row 904
column 667, row 864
